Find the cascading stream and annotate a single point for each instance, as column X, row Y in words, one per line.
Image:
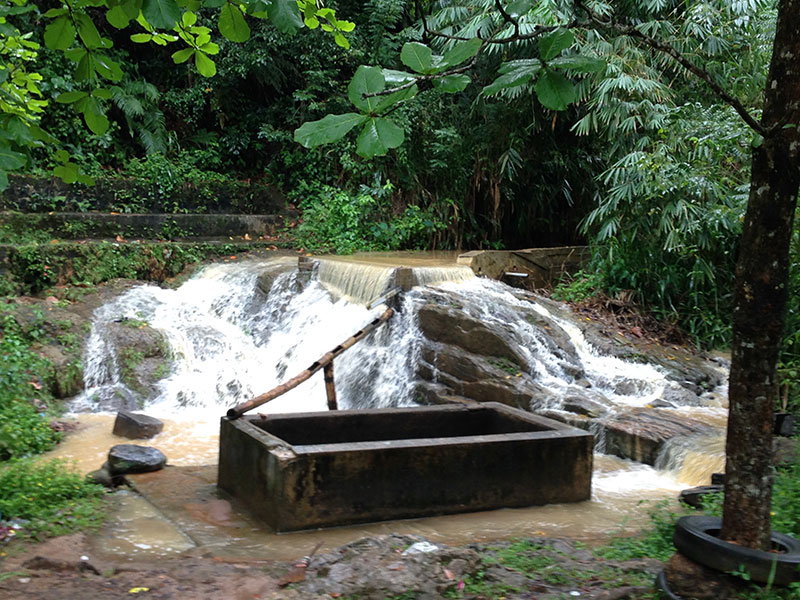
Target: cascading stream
column 238, row 329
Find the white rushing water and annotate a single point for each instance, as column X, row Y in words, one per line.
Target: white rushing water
column 238, row 329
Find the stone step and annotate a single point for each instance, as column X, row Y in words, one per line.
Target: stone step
column 96, row 225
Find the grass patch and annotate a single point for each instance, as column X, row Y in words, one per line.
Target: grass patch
column 52, row 496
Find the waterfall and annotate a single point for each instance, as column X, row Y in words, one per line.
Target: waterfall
column 237, row 329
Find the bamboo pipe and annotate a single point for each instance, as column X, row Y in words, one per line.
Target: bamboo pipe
column 325, row 359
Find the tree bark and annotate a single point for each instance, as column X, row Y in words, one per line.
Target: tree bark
column 761, row 291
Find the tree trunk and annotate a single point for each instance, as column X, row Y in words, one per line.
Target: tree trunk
column 761, row 290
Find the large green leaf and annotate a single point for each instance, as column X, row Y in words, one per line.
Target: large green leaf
column 394, row 78
column 181, row 56
column 553, row 43
column 554, row 90
column 70, row 97
column 10, row 160
column 205, row 66
column 378, row 136
column 416, row 56
column 514, row 78
column 59, row 34
column 582, row 64
column 367, row 80
column 88, row 31
column 232, row 24
column 452, row 83
column 161, row 14
column 285, row 15
column 117, row 17
column 460, row 52
column 328, row 129
column 107, row 68
column 94, row 117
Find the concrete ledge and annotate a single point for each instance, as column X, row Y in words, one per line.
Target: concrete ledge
column 531, row 268
column 309, row 470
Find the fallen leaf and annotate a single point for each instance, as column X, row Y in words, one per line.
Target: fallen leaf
column 449, row 574
column 119, row 238
column 247, row 236
column 295, row 575
column 36, row 386
column 138, row 590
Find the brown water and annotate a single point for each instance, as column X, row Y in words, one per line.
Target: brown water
column 189, row 512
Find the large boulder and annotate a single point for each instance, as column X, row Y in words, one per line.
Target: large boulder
column 640, row 433
column 130, row 458
column 136, row 425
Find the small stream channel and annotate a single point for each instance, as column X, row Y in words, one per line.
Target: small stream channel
column 237, row 329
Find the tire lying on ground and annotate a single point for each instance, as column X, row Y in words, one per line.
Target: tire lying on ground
column 696, row 538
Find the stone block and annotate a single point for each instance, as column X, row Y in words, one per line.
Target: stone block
column 136, row 426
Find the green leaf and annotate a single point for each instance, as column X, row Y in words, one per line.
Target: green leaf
column 394, row 78
column 416, row 56
column 341, row 40
column 85, row 68
column 141, row 38
column 70, row 97
column 519, row 8
column 554, row 90
column 3, row 180
column 205, row 66
column 460, row 52
column 285, row 15
column 55, row 12
column 452, row 83
column 213, row 3
column 10, row 160
column 210, row 48
column 94, row 117
column 329, row 129
column 552, row 44
column 181, row 56
column 395, row 97
column 346, row 26
column 161, row 14
column 107, row 68
column 59, row 34
column 117, row 17
column 103, row 93
column 367, row 80
column 378, row 136
column 88, row 32
column 188, row 18
column 514, row 78
column 232, row 24
column 576, row 62
column 67, row 173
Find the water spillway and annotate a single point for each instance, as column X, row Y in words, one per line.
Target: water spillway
column 239, row 328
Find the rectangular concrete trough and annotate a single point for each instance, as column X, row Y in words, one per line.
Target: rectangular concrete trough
column 309, row 470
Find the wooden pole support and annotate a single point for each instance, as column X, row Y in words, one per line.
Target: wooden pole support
column 325, row 359
column 330, row 388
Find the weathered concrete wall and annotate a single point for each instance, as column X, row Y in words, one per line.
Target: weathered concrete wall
column 142, row 226
column 541, row 265
column 327, row 484
column 40, row 194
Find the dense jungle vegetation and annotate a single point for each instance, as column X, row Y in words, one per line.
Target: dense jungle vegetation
column 647, row 165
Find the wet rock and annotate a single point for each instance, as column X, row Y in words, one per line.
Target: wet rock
column 586, row 402
column 103, row 477
column 67, row 370
column 568, row 418
column 136, row 425
column 130, row 458
column 449, row 325
column 144, row 358
column 640, row 433
column 679, row 396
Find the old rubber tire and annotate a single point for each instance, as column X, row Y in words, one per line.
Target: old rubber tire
column 663, row 587
column 696, row 538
